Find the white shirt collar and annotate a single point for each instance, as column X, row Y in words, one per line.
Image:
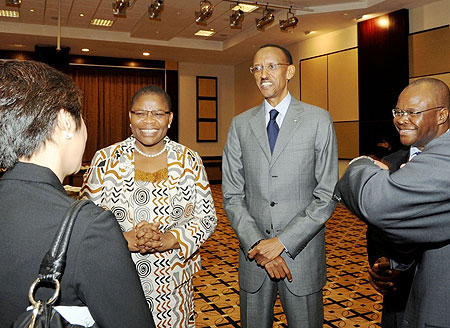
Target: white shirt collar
column 282, row 108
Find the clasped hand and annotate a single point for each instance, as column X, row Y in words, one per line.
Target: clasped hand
column 267, row 254
column 382, row 277
column 147, row 238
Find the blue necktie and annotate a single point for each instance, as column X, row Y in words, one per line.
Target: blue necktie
column 272, row 129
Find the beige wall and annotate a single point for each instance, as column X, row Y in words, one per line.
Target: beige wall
column 323, row 44
column 429, row 52
column 246, row 93
column 187, row 105
column 429, row 16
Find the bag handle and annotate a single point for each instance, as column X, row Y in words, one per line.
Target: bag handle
column 54, row 262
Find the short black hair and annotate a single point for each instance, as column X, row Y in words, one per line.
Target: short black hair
column 31, row 96
column 151, row 89
column 285, row 51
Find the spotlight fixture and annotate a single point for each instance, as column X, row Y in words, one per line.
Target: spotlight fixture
column 15, row 3
column 206, row 10
column 267, row 19
column 155, row 9
column 289, row 23
column 236, row 19
column 120, row 7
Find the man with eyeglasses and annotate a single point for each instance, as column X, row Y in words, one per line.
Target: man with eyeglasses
column 279, row 170
column 407, row 206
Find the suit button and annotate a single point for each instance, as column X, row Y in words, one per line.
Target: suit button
column 272, row 204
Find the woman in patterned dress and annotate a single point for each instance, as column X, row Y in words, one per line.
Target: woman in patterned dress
column 159, row 192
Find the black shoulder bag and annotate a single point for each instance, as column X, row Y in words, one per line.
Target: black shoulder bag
column 44, row 314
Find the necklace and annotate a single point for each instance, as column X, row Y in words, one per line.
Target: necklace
column 150, row 155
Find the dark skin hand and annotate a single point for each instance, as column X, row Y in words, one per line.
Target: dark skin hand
column 267, row 254
column 278, row 269
column 266, row 251
column 147, row 238
column 382, row 278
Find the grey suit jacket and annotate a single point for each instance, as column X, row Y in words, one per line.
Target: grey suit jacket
column 411, row 206
column 285, row 194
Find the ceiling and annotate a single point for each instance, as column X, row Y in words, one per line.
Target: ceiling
column 172, row 37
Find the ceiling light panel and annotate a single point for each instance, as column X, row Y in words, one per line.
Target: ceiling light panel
column 204, row 33
column 101, row 22
column 9, row 13
column 245, row 8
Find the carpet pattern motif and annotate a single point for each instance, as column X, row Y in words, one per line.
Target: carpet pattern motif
column 349, row 300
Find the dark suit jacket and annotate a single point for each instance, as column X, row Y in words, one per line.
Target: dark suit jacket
column 285, row 194
column 394, row 303
column 99, row 271
column 411, row 206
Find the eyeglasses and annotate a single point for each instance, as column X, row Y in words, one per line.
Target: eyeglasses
column 396, row 112
column 157, row 114
column 270, row 67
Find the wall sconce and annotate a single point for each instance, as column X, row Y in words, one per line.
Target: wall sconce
column 206, row 10
column 267, row 19
column 236, row 19
column 15, row 3
column 155, row 9
column 120, row 7
column 289, row 23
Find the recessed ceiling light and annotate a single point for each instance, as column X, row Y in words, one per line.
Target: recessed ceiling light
column 245, row 8
column 204, row 33
column 81, row 15
column 146, row 54
column 32, row 10
column 101, row 22
column 9, row 13
column 85, row 50
column 383, row 22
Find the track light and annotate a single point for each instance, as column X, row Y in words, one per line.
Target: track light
column 289, row 23
column 13, row 2
column 206, row 10
column 120, row 7
column 267, row 19
column 236, row 19
column 155, row 9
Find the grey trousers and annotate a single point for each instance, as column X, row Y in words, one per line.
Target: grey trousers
column 301, row 311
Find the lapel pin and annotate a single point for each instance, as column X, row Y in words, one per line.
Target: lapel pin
column 295, row 121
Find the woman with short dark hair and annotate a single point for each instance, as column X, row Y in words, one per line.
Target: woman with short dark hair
column 42, row 140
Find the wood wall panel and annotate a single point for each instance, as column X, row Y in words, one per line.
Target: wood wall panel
column 343, row 85
column 314, row 82
column 442, row 77
column 429, row 52
column 347, row 134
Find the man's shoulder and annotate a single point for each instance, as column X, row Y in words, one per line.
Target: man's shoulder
column 309, row 108
column 247, row 114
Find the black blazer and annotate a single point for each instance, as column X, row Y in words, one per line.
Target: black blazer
column 99, row 271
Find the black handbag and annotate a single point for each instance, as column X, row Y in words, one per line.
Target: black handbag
column 44, row 315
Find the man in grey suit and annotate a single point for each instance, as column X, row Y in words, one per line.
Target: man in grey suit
column 279, row 170
column 411, row 206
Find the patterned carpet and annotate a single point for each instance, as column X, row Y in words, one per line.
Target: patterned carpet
column 349, row 300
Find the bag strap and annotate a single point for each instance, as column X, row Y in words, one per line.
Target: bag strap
column 54, row 262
